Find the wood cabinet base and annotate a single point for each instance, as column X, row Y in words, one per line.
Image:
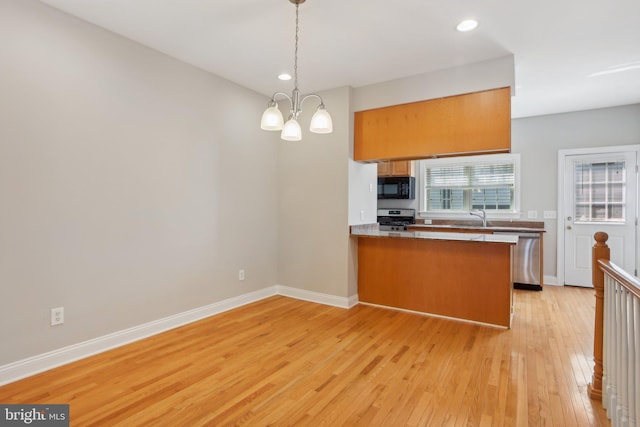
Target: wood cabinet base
column 464, row 280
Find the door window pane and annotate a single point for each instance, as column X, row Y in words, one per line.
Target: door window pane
column 616, row 211
column 599, row 191
column 616, row 172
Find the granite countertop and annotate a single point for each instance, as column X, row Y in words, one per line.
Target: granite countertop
column 515, row 229
column 517, row 226
column 436, row 235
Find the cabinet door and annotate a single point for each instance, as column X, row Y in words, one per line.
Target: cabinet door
column 402, row 168
column 473, row 123
column 384, row 168
column 395, row 168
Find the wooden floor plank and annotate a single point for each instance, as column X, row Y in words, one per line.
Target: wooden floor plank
column 282, row 361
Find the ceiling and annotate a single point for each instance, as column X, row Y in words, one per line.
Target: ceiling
column 570, row 55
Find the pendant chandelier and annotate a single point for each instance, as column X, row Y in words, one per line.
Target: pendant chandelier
column 272, row 117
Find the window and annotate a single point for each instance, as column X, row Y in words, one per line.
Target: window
column 458, row 185
column 599, row 193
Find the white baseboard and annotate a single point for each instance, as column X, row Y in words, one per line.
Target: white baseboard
column 552, row 280
column 43, row 362
column 52, row 359
column 335, row 301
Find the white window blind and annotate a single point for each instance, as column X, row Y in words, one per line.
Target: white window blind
column 462, row 187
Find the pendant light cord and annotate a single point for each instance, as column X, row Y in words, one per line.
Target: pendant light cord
column 295, row 55
column 272, row 117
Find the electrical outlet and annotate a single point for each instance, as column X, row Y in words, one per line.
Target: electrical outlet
column 361, row 215
column 532, row 214
column 57, row 316
column 370, row 188
column 241, row 275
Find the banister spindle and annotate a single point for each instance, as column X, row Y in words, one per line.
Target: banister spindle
column 599, row 251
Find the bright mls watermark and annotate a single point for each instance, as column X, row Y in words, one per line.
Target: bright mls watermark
column 34, row 415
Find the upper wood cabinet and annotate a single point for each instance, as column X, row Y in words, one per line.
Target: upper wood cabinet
column 473, row 123
column 396, row 168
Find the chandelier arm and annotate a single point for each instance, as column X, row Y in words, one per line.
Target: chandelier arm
column 273, row 97
column 292, row 103
column 312, row 95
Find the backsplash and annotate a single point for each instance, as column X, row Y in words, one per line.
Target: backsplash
column 490, row 223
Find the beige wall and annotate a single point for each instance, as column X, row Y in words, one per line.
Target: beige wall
column 133, row 189
column 490, row 74
column 131, row 186
column 313, row 241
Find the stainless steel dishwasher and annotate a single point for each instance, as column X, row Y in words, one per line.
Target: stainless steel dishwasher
column 526, row 261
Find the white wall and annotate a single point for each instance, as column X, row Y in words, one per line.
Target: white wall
column 363, row 190
column 538, row 139
column 131, row 186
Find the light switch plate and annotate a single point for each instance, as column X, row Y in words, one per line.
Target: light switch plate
column 550, row 214
column 532, row 214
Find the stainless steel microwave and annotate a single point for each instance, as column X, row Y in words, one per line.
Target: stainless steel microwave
column 397, row 187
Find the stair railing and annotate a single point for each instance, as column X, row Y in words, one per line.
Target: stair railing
column 616, row 373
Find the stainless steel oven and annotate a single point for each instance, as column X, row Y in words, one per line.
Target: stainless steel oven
column 395, row 219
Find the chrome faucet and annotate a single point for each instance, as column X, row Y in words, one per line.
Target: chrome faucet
column 480, row 213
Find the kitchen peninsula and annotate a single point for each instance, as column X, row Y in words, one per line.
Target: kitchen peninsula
column 459, row 275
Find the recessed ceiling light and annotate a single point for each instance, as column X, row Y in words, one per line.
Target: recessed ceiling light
column 467, row 25
column 284, row 76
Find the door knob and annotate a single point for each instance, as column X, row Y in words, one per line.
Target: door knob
column 568, row 227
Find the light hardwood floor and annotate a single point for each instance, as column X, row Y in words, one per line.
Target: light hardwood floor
column 282, row 361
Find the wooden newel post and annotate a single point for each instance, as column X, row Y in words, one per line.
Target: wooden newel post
column 600, row 251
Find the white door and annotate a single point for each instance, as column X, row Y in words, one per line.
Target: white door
column 600, row 194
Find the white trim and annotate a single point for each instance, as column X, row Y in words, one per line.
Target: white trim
column 484, row 158
column 422, row 313
column 551, row 281
column 301, row 294
column 52, row 359
column 562, row 154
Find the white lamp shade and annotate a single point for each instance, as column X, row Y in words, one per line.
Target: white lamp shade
column 291, row 131
column 321, row 122
column 271, row 119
